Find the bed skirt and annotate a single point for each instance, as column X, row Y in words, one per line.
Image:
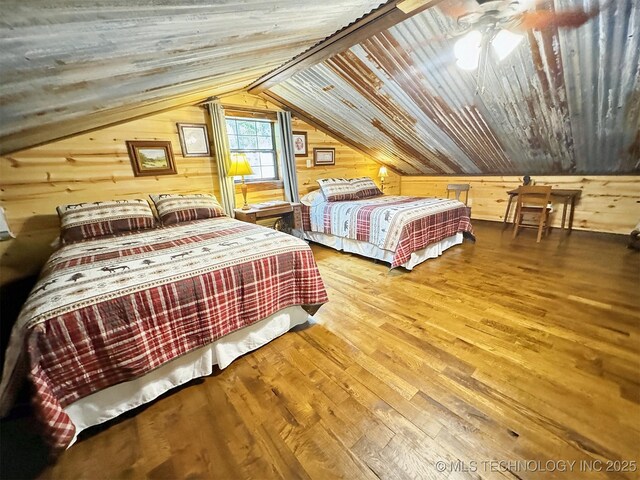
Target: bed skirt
column 107, row 404
column 369, row 250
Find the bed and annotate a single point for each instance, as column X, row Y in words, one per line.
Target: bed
column 115, row 321
column 402, row 231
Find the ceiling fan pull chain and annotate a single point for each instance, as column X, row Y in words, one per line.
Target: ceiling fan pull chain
column 484, row 58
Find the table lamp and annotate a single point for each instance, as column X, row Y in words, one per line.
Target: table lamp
column 239, row 168
column 382, row 173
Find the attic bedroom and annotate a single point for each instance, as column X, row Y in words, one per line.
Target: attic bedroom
column 365, row 239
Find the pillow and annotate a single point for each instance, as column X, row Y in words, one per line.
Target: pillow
column 313, row 198
column 82, row 221
column 183, row 208
column 337, row 189
column 365, row 187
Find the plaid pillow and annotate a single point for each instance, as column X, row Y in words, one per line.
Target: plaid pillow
column 337, row 189
column 365, row 187
column 82, row 221
column 183, row 208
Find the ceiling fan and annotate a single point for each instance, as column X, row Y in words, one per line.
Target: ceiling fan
column 488, row 27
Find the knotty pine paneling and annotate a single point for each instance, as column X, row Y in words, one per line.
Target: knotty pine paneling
column 607, row 203
column 96, row 166
column 246, row 100
column 85, row 168
column 260, row 192
column 349, row 162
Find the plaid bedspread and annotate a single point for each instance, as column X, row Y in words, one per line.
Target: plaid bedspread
column 401, row 225
column 107, row 311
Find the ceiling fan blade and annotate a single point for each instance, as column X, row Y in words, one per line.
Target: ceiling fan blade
column 541, row 19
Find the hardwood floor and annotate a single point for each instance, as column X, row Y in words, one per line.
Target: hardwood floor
column 503, row 350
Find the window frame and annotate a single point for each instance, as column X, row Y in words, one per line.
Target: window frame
column 276, row 179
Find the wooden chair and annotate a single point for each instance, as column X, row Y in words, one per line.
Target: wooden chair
column 458, row 188
column 533, row 200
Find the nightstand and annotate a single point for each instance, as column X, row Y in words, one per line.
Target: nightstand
column 290, row 213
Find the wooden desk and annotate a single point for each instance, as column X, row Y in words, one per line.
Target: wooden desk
column 566, row 195
column 291, row 213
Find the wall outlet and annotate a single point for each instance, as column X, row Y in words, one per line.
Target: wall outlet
column 308, row 163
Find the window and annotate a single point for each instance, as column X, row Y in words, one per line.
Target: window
column 255, row 138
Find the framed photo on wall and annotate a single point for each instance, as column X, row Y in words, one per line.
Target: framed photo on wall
column 193, row 139
column 300, row 144
column 151, row 157
column 324, row 156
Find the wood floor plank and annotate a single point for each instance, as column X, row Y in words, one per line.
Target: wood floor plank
column 242, row 448
column 322, row 457
column 502, row 350
column 383, row 468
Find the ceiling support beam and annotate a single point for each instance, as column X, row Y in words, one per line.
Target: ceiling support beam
column 381, row 19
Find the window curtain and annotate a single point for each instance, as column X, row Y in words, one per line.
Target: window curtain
column 221, row 148
column 289, row 175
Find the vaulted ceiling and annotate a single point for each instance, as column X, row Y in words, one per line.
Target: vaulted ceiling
column 567, row 100
column 72, row 65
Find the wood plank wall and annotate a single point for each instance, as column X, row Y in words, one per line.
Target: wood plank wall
column 88, row 167
column 607, row 204
column 96, row 166
column 349, row 162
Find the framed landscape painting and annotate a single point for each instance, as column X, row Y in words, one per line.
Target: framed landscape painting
column 151, row 157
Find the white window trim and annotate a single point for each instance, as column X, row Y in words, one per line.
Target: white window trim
column 275, row 150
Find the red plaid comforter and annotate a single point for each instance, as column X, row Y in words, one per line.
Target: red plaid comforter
column 402, row 225
column 107, row 311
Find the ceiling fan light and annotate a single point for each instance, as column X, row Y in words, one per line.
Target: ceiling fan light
column 468, row 64
column 505, row 42
column 467, row 50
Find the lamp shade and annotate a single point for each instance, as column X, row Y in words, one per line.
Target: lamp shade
column 382, row 172
column 239, row 166
column 505, row 42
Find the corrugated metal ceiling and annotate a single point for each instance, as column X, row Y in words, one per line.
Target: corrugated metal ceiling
column 70, row 65
column 565, row 101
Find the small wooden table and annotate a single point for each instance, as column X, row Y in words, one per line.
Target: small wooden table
column 291, row 213
column 566, row 194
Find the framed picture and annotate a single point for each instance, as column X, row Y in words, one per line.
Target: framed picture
column 324, row 156
column 300, row 144
column 193, row 139
column 151, row 157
